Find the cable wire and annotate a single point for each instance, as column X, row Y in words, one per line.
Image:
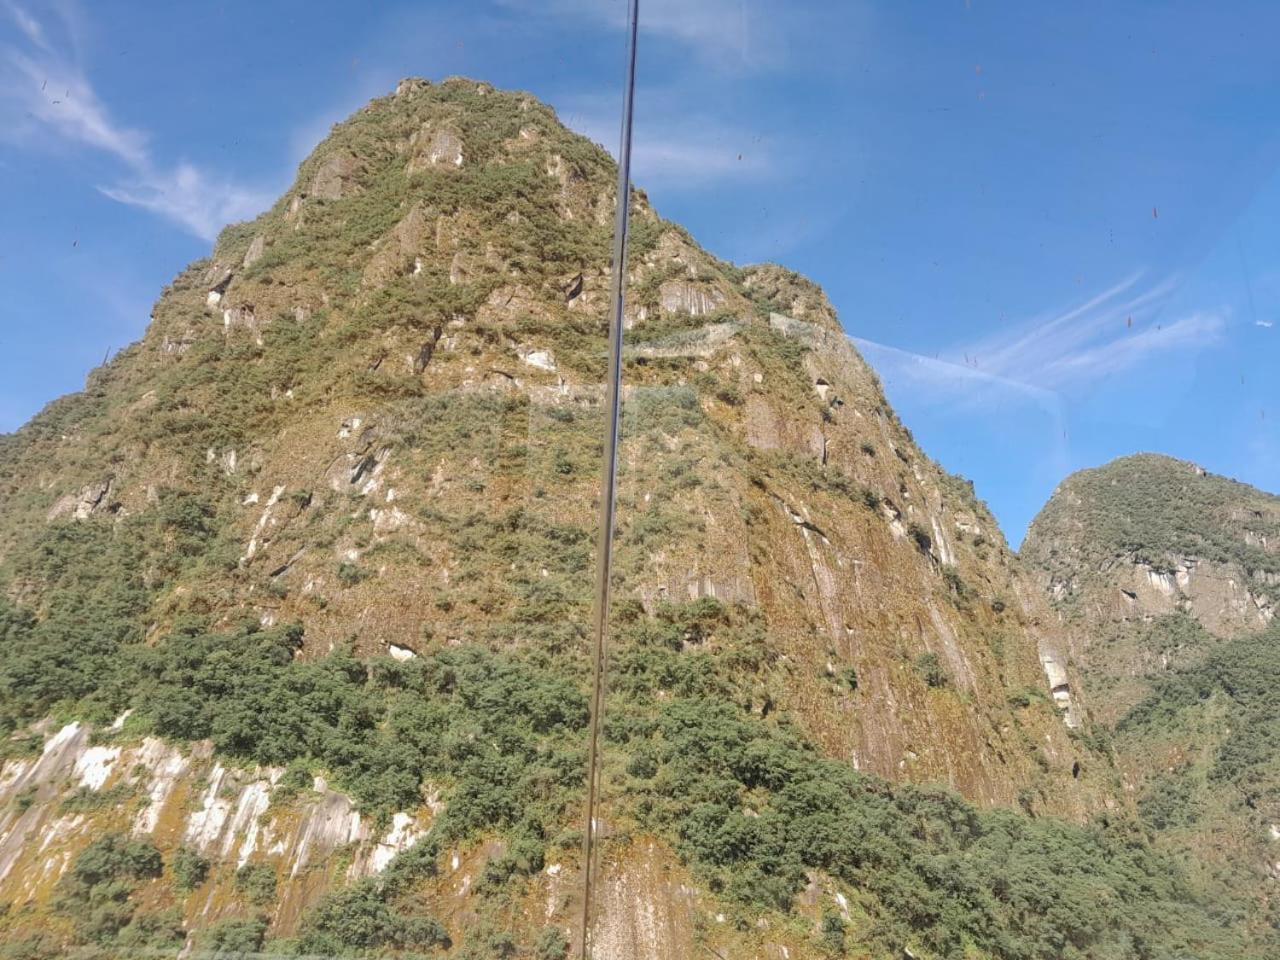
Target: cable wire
column 608, row 503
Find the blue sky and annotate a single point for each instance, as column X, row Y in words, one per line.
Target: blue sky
column 1053, row 228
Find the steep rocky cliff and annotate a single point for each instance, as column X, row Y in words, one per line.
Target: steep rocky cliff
column 295, row 596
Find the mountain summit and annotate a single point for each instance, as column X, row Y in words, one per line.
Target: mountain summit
column 295, row 596
column 1149, row 537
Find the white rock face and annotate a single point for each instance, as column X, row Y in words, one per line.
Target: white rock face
column 1164, row 582
column 221, row 280
column 1060, row 687
column 894, row 516
column 433, row 148
column 255, row 251
column 683, row 297
column 401, row 653
column 167, row 765
column 265, row 522
column 542, row 359
column 243, row 317
column 227, row 461
column 331, row 823
column 404, row 833
column 333, row 179
column 225, row 812
column 81, row 505
column 1221, row 596
column 28, row 834
column 94, row 766
column 445, row 148
column 945, row 554
column 389, row 520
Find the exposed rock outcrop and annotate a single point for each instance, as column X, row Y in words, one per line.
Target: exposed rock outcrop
column 80, row 506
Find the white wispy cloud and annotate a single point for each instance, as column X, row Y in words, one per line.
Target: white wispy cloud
column 948, row 376
column 46, row 99
column 1052, row 356
column 1192, row 332
column 27, row 24
column 59, row 99
column 675, row 147
column 1058, row 348
column 192, row 198
column 1113, row 331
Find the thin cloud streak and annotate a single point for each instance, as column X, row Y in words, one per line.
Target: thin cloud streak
column 1192, row 332
column 1048, row 358
column 675, row 149
column 191, row 198
column 27, row 24
column 47, row 97
column 1041, row 345
column 60, row 98
column 1111, row 332
column 943, row 391
column 955, row 387
column 937, row 371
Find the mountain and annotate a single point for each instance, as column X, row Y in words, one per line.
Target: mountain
column 1157, row 559
column 1168, row 578
column 295, row 594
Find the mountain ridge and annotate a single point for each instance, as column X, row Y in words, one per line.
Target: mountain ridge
column 295, row 598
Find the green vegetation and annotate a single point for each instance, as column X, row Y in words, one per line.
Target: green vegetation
column 1239, row 677
column 832, row 936
column 86, row 800
column 1194, row 714
column 552, row 945
column 234, row 937
column 99, row 580
column 1208, row 740
column 97, row 895
column 256, row 882
column 931, row 670
column 359, row 918
column 1157, row 510
column 189, row 869
column 746, row 801
column 756, row 809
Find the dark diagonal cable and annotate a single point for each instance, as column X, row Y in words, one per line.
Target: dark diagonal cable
column 604, row 547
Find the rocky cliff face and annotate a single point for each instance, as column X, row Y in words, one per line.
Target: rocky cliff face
column 413, row 335
column 1148, row 538
column 374, row 413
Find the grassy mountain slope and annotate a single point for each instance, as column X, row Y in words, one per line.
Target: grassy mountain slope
column 295, row 594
